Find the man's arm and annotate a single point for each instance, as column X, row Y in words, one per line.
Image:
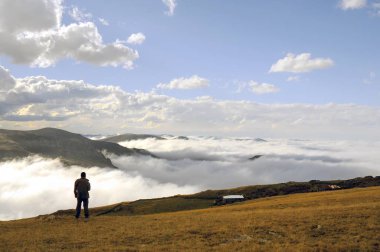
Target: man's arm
column 75, row 188
column 88, row 186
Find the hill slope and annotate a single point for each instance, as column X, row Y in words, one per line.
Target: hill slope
column 345, row 220
column 72, row 149
column 207, row 198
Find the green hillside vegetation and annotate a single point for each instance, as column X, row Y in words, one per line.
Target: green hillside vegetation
column 260, row 191
column 70, row 148
column 341, row 220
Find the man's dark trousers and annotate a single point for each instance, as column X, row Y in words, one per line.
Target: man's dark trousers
column 79, row 206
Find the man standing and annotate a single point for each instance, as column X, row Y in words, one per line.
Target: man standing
column 81, row 188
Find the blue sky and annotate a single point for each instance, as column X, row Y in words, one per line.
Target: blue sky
column 229, row 41
column 231, row 46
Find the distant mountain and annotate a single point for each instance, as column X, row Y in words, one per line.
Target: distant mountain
column 171, row 137
column 72, row 149
column 181, row 138
column 130, row 137
column 255, row 157
column 260, row 140
column 250, row 139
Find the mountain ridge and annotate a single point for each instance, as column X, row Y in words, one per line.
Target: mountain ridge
column 130, row 137
column 70, row 148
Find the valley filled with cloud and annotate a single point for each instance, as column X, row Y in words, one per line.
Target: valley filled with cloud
column 35, row 185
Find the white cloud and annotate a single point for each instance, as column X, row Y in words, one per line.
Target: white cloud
column 103, row 21
column 37, row 177
column 352, row 4
column 171, row 4
column 293, row 78
column 300, row 63
column 39, row 39
column 262, row 88
column 36, row 102
column 79, row 15
column 7, row 81
column 192, row 82
column 29, row 15
column 136, row 38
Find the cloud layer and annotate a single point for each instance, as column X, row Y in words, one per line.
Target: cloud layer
column 30, row 186
column 224, row 162
column 35, row 102
column 39, row 39
column 34, row 186
column 300, row 63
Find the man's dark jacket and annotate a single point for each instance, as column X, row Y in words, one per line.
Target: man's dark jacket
column 81, row 188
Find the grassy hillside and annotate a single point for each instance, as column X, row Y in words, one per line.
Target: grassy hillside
column 344, row 220
column 163, row 205
column 72, row 149
column 147, row 206
column 207, row 198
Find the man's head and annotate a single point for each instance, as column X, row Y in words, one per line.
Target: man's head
column 83, row 175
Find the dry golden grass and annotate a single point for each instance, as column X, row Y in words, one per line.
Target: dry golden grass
column 346, row 220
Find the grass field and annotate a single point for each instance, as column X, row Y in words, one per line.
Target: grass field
column 344, row 220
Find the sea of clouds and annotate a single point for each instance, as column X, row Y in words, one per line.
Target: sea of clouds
column 35, row 185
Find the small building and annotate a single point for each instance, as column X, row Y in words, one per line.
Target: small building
column 228, row 199
column 334, row 187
